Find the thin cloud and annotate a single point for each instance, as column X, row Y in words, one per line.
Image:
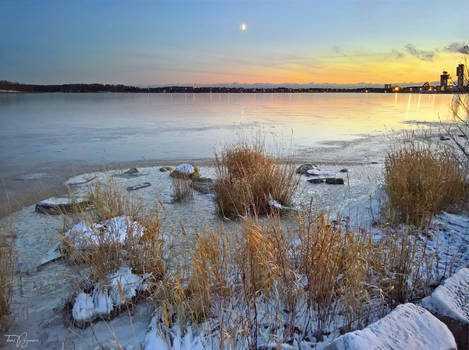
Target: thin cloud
column 458, row 48
column 420, row 54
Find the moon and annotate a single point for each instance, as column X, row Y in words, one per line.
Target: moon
column 244, row 27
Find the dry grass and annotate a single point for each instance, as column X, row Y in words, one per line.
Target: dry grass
column 182, row 189
column 248, row 177
column 7, row 267
column 405, row 269
column 335, row 265
column 421, row 181
column 104, row 252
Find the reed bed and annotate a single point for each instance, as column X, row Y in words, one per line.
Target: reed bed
column 420, row 181
column 248, row 178
column 7, row 270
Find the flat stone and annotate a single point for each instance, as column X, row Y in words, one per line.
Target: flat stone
column 139, row 186
column 334, row 181
column 408, row 326
column 61, row 205
column 316, row 181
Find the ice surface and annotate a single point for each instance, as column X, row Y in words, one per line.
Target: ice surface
column 451, row 298
column 408, row 326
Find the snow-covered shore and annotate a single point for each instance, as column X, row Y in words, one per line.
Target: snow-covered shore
column 42, row 290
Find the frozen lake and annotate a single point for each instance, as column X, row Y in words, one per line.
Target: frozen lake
column 100, row 128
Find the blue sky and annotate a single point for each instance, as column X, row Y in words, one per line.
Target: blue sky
column 174, row 42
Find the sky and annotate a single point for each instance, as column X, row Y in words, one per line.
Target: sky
column 203, row 42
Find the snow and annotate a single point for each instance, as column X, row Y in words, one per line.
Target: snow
column 408, row 326
column 116, row 229
column 104, row 298
column 185, row 168
column 52, row 201
column 451, row 298
column 83, row 308
column 274, row 203
column 154, row 340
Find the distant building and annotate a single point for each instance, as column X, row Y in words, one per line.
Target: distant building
column 444, row 77
column 460, row 75
column 388, row 87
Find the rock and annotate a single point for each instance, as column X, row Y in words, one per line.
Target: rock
column 104, row 298
column 139, row 186
column 408, row 326
column 132, row 172
column 61, row 205
column 303, row 169
column 334, row 181
column 444, row 138
column 185, row 171
column 344, row 170
column 316, row 181
column 166, row 168
column 203, row 185
column 450, row 303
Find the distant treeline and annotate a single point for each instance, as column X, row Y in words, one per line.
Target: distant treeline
column 19, row 87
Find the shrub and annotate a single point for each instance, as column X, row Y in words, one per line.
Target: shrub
column 421, row 181
column 248, row 178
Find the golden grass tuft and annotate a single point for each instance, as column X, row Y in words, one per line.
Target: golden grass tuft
column 105, row 253
column 7, row 268
column 421, row 181
column 248, row 178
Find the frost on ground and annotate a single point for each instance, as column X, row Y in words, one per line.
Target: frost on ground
column 104, row 298
column 406, row 327
column 451, row 298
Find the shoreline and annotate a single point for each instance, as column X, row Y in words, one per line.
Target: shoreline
column 24, row 189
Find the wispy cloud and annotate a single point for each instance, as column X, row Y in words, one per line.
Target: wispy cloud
column 458, row 48
column 423, row 55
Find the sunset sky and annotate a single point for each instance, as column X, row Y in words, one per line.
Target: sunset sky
column 203, row 42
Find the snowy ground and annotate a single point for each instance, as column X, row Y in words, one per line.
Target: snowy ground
column 41, row 291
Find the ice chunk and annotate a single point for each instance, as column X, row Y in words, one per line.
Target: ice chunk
column 83, row 308
column 104, row 298
column 451, row 299
column 408, row 326
column 117, row 229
